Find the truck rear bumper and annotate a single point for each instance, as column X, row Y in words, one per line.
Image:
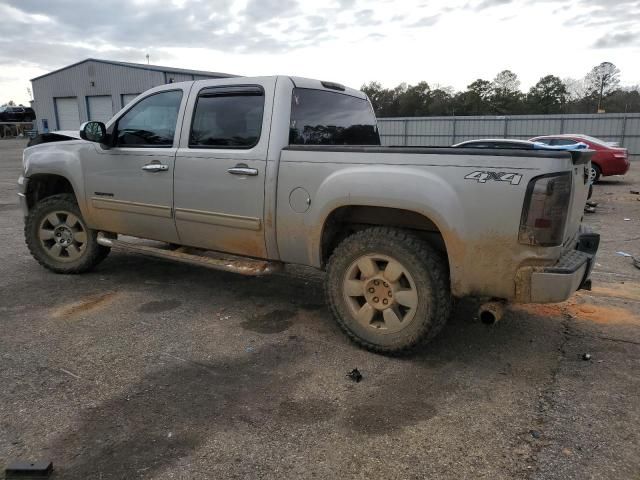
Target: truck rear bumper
column 572, row 272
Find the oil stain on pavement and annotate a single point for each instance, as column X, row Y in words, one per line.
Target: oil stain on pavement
column 275, row 321
column 86, row 305
column 171, row 411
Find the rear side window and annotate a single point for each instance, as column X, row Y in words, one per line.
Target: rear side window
column 151, row 122
column 227, row 117
column 563, row 141
column 319, row 117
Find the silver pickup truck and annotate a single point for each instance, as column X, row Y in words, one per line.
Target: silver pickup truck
column 248, row 174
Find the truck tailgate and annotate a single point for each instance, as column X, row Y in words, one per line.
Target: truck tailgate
column 580, row 193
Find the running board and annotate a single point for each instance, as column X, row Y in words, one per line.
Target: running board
column 210, row 259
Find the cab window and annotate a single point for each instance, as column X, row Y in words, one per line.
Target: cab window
column 227, row 117
column 319, row 117
column 151, row 122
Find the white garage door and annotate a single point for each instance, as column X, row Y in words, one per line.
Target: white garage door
column 100, row 108
column 67, row 113
column 127, row 97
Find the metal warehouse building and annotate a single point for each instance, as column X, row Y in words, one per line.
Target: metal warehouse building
column 96, row 89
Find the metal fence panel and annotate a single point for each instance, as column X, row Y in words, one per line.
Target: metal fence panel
column 430, row 131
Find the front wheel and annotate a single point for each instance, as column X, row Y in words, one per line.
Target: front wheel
column 59, row 239
column 388, row 289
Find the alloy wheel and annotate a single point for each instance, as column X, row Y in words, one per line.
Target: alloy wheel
column 380, row 293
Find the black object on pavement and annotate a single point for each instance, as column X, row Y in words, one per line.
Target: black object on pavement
column 22, row 469
column 586, row 357
column 355, row 375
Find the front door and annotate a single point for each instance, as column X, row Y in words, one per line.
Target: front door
column 129, row 187
column 220, row 167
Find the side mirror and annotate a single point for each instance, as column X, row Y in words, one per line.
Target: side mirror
column 93, row 132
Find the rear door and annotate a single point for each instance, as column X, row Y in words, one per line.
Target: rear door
column 221, row 165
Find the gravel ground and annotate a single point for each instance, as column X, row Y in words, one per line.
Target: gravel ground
column 154, row 370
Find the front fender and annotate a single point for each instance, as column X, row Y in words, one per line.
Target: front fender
column 60, row 158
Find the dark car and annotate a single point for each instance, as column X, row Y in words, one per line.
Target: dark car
column 17, row 114
column 607, row 160
column 498, row 143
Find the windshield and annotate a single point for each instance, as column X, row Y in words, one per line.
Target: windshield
column 319, row 117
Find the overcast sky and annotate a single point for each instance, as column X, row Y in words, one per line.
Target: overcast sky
column 445, row 42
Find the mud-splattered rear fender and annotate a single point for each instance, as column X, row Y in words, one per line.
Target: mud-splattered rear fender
column 405, row 188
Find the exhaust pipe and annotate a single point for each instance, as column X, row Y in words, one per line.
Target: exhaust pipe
column 491, row 312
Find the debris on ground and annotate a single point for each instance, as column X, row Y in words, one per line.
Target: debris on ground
column 589, row 209
column 25, row 469
column 636, row 260
column 634, row 192
column 627, row 219
column 586, row 357
column 355, row 375
column 535, row 433
column 592, row 204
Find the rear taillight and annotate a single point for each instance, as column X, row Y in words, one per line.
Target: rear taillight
column 545, row 210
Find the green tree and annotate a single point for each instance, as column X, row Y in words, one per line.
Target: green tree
column 413, row 100
column 602, row 80
column 549, row 95
column 475, row 100
column 506, row 96
column 383, row 100
column 441, row 102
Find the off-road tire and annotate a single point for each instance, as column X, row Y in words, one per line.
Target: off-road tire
column 428, row 270
column 92, row 254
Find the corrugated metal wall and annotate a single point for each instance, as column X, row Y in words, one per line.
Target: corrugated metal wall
column 431, row 131
column 108, row 79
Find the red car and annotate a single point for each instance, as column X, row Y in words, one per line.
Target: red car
column 607, row 160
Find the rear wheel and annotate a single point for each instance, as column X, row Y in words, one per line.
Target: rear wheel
column 59, row 239
column 594, row 173
column 388, row 289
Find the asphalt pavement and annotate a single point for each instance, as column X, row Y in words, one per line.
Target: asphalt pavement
column 146, row 369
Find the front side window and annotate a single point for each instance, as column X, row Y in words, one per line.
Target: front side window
column 319, row 117
column 227, row 117
column 150, row 122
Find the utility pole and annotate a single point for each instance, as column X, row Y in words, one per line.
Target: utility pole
column 147, row 55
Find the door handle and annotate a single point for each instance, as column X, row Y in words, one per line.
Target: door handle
column 155, row 167
column 243, row 169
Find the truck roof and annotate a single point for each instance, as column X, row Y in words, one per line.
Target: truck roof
column 302, row 82
column 299, row 82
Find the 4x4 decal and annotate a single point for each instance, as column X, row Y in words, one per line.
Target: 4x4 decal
column 482, row 177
